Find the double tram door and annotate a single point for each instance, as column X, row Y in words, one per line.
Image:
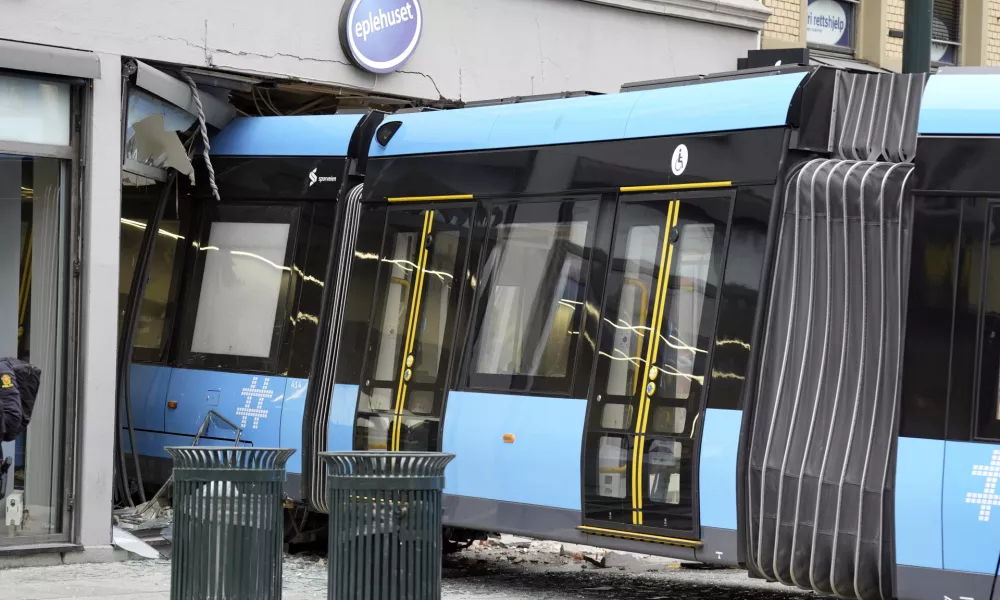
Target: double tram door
column 422, row 267
column 657, row 328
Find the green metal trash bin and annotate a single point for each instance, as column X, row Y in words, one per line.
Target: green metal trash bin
column 385, row 524
column 228, row 523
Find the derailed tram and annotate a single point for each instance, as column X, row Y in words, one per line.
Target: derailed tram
column 752, row 333
column 575, row 297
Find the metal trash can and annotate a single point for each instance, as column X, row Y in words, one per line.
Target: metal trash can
column 385, row 524
column 228, row 523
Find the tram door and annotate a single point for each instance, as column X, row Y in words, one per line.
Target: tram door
column 411, row 333
column 657, row 329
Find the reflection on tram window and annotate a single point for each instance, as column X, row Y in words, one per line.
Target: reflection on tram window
column 612, row 466
column 390, row 335
column 534, row 277
column 380, row 399
column 240, row 288
column 420, row 402
column 632, row 323
column 153, row 314
column 667, row 419
column 615, row 415
column 429, row 341
column 679, row 338
column 372, row 432
column 419, row 435
column 988, row 421
column 662, row 465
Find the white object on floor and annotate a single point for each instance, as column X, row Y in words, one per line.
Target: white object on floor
column 127, row 541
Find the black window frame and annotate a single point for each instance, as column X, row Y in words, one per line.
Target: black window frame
column 526, row 385
column 242, row 211
column 956, row 9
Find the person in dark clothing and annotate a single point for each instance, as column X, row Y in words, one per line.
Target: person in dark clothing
column 19, row 383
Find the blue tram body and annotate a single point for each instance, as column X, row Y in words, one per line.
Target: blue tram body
column 602, row 306
column 948, row 455
column 291, row 171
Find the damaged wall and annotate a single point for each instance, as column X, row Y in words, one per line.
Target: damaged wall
column 470, row 49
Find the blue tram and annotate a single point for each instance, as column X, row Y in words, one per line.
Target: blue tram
column 740, row 319
column 229, row 323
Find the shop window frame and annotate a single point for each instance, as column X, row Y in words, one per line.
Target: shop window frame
column 956, row 43
column 71, row 155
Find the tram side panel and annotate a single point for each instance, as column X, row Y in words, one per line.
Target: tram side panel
column 244, row 313
column 947, row 536
column 518, row 464
column 517, row 428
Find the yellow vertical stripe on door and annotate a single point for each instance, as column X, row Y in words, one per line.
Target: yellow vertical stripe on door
column 653, row 331
column 407, row 342
column 655, row 342
column 421, row 278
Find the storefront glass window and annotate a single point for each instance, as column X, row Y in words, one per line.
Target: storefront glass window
column 35, row 182
column 34, row 111
column 33, row 229
column 830, row 23
column 945, row 31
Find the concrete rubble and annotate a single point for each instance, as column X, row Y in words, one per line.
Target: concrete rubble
column 504, row 568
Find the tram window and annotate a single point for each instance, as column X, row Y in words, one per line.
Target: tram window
column 151, row 331
column 372, row 432
column 156, row 309
column 388, row 332
column 662, row 469
column 241, row 286
column 632, row 319
column 668, row 419
column 680, row 346
column 988, row 419
column 533, row 281
column 612, row 466
column 616, row 415
column 430, row 342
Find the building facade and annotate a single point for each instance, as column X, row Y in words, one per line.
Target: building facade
column 964, row 32
column 92, row 95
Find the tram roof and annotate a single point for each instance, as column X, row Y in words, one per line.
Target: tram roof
column 961, row 101
column 307, row 135
column 745, row 103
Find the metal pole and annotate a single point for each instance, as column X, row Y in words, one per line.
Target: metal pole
column 917, row 36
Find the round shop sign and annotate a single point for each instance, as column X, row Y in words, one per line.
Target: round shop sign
column 379, row 36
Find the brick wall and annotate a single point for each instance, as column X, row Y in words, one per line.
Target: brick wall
column 895, row 13
column 785, row 21
column 993, row 34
